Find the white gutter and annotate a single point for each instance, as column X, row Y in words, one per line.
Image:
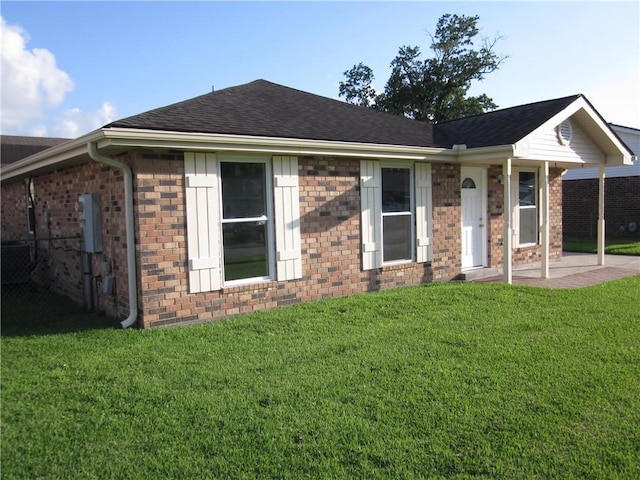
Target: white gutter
column 130, row 138
column 131, row 241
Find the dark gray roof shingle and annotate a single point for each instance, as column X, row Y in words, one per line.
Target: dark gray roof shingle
column 500, row 127
column 14, row 148
column 262, row 108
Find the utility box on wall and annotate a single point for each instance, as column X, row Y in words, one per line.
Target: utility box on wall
column 91, row 217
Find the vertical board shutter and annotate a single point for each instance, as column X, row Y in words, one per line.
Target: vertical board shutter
column 371, row 213
column 203, row 221
column 424, row 247
column 287, row 218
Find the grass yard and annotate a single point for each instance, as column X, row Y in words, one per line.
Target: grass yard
column 440, row 381
column 613, row 245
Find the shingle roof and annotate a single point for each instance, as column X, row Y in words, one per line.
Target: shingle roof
column 14, row 148
column 500, row 127
column 262, row 108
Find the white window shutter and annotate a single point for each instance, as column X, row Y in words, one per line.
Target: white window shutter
column 287, row 218
column 203, row 221
column 424, row 247
column 371, row 214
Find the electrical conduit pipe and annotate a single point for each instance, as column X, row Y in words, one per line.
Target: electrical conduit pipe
column 129, row 226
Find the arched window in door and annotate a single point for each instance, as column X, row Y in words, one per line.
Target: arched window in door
column 468, row 183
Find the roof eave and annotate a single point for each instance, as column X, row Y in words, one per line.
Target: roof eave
column 129, row 138
column 50, row 158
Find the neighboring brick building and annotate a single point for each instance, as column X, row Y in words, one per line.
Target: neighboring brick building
column 259, row 196
column 622, row 195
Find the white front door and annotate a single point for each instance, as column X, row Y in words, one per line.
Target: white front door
column 474, row 211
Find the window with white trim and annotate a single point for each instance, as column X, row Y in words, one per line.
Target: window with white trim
column 527, row 207
column 396, row 213
column 246, row 221
column 243, row 219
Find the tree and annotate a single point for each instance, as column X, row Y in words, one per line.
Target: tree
column 434, row 89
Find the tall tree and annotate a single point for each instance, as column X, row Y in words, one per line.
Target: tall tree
column 434, row 89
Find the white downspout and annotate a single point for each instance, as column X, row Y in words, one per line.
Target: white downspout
column 130, row 229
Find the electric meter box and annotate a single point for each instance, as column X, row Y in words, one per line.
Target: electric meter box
column 91, row 217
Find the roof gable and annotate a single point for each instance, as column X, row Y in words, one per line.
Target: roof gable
column 500, row 127
column 265, row 109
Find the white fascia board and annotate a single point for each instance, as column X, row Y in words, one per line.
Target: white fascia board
column 50, row 157
column 128, row 138
column 490, row 155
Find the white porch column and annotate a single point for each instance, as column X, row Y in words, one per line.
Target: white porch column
column 508, row 214
column 544, row 218
column 601, row 216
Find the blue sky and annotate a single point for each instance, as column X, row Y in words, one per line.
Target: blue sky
column 70, row 67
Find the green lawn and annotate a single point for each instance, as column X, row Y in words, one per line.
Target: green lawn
column 441, row 381
column 613, row 245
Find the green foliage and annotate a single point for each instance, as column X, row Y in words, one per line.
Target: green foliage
column 434, row 89
column 439, row 381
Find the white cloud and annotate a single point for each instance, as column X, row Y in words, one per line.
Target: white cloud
column 31, row 81
column 74, row 122
column 32, row 85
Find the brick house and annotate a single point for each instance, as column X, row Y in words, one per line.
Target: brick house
column 622, row 198
column 260, row 195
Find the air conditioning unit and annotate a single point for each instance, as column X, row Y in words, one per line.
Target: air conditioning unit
column 15, row 263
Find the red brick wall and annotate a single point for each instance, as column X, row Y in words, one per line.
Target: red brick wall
column 447, row 218
column 331, row 244
column 330, row 234
column 496, row 221
column 14, row 211
column 621, row 205
column 59, row 257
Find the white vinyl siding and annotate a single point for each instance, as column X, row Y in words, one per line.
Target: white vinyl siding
column 372, row 213
column 203, row 221
column 287, row 215
column 546, row 146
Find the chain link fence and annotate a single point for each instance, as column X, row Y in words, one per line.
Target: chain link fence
column 42, row 286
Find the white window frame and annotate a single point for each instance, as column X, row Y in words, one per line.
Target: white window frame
column 203, row 203
column 412, row 212
column 536, row 206
column 371, row 212
column 269, row 218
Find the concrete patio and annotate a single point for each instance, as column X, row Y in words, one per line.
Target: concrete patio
column 573, row 270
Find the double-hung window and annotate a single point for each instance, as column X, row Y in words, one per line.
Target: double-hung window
column 246, row 221
column 243, row 219
column 397, row 215
column 527, row 208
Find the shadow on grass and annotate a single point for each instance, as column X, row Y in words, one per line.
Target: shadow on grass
column 37, row 312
